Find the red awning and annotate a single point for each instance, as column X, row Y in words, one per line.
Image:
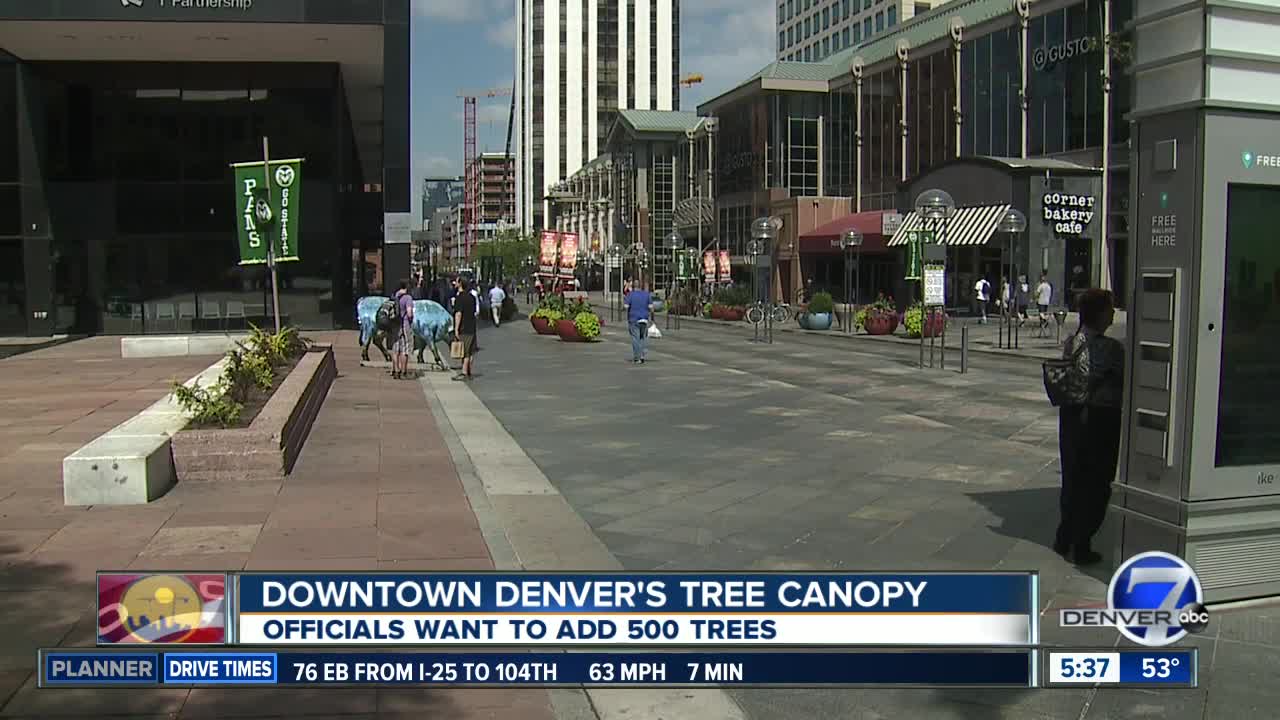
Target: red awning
column 826, row 238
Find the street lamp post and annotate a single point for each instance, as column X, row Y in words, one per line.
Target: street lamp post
column 677, row 248
column 1013, row 224
column 850, row 242
column 615, row 304
column 764, row 231
column 934, row 207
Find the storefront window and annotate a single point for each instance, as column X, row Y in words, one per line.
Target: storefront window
column 1065, row 47
column 989, row 79
column 881, row 146
column 932, row 137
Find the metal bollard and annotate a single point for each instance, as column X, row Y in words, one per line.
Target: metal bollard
column 964, row 348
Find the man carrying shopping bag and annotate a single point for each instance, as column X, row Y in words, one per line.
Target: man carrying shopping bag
column 639, row 318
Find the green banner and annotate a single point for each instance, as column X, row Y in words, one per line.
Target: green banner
column 914, row 253
column 687, row 262
column 278, row 222
column 916, row 240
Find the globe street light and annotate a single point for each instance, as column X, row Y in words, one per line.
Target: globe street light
column 851, row 241
column 615, row 256
column 1013, row 223
column 676, row 243
column 935, row 207
column 764, row 231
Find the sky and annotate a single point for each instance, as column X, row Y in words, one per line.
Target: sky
column 467, row 45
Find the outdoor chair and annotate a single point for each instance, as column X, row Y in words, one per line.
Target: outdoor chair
column 136, row 311
column 186, row 311
column 211, row 310
column 163, row 312
column 235, row 311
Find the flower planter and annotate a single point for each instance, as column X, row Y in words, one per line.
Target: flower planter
column 568, row 331
column 542, row 326
column 272, row 442
column 733, row 314
column 814, row 321
column 934, row 324
column 883, row 324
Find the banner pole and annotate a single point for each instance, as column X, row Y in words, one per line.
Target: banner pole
column 271, row 245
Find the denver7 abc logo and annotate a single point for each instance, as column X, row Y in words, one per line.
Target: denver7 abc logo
column 1154, row 599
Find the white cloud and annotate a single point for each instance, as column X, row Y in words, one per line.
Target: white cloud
column 726, row 43
column 502, row 34
column 464, row 10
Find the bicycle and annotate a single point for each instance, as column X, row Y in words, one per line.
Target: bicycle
column 778, row 312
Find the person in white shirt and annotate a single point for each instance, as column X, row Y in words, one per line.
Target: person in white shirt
column 1044, row 293
column 496, row 296
column 981, row 296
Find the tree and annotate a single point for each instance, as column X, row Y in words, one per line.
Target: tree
column 514, row 248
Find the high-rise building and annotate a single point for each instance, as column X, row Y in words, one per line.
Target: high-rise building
column 577, row 63
column 813, row 30
column 440, row 192
column 497, row 189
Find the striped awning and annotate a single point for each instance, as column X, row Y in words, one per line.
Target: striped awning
column 969, row 226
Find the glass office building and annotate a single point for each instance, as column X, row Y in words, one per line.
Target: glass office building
column 118, row 124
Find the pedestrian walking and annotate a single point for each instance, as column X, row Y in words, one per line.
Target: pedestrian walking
column 639, row 316
column 465, row 307
column 1089, row 433
column 404, row 342
column 1023, row 299
column 1044, row 297
column 981, row 297
column 496, row 296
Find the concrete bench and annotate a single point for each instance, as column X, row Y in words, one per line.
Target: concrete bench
column 148, row 346
column 131, row 464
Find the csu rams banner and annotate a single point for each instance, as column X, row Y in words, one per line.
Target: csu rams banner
column 286, row 208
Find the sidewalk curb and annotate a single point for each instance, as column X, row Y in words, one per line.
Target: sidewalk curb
column 866, row 342
column 529, row 525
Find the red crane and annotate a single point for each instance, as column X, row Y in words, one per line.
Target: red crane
column 471, row 162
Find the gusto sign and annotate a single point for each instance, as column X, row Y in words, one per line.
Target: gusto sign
column 1069, row 214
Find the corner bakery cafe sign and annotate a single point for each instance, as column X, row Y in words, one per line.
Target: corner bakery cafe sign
column 1069, row 214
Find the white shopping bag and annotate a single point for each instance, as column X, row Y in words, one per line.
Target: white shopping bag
column 653, row 332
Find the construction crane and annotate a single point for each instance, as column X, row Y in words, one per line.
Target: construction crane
column 690, row 80
column 471, row 160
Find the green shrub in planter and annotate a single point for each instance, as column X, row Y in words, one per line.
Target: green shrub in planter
column 588, row 325
column 821, row 303
column 550, row 314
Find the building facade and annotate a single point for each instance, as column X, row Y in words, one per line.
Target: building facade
column 1029, row 84
column 118, row 124
column 440, row 192
column 814, row 30
column 647, row 186
column 497, row 189
column 577, row 63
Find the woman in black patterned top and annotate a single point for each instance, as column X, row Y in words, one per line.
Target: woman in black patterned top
column 1089, row 434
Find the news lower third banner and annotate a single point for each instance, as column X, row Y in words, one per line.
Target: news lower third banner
column 190, row 667
column 569, row 609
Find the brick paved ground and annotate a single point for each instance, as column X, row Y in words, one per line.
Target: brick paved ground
column 374, row 488
column 815, row 453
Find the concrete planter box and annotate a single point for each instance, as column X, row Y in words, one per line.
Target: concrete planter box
column 150, row 346
column 272, row 442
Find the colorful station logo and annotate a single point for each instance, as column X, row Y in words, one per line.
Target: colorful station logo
column 161, row 609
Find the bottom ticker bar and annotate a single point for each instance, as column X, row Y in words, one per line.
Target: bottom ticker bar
column 994, row 668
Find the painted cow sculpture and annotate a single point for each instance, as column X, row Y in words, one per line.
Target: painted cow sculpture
column 431, row 325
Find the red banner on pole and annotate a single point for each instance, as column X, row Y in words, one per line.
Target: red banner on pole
column 725, row 273
column 547, row 255
column 709, row 266
column 568, row 254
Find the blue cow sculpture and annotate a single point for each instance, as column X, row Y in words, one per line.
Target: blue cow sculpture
column 432, row 324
